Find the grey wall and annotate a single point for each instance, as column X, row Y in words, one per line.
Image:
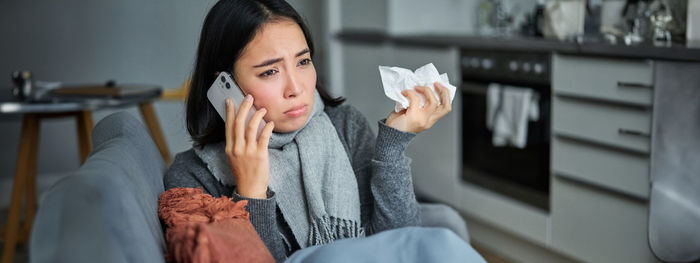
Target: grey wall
column 411, row 17
column 312, row 12
column 435, row 152
column 93, row 41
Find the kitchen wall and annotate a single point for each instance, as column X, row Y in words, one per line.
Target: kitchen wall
column 411, row 17
column 129, row 41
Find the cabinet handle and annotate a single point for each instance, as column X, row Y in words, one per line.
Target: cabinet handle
column 633, row 133
column 621, row 84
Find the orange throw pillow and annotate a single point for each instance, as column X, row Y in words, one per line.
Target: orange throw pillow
column 201, row 228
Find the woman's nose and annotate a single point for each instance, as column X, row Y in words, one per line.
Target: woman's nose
column 292, row 88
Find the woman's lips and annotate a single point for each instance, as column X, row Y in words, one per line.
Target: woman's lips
column 296, row 111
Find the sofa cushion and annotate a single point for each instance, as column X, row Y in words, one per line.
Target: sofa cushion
column 106, row 211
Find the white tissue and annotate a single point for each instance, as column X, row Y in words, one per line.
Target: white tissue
column 395, row 80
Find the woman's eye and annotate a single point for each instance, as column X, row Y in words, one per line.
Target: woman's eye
column 305, row 61
column 268, row 73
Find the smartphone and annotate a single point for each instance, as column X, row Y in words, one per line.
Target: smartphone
column 225, row 88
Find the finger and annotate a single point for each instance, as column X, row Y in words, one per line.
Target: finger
column 230, row 114
column 265, row 135
column 413, row 101
column 446, row 105
column 430, row 98
column 394, row 114
column 252, row 133
column 241, row 116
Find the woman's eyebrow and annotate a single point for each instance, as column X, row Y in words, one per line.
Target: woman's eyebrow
column 306, row 50
column 268, row 62
column 275, row 60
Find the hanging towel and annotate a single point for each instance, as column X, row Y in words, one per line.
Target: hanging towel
column 508, row 110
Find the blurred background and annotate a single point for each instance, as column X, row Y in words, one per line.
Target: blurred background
column 567, row 190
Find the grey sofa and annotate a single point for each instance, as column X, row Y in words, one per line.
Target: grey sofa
column 107, row 210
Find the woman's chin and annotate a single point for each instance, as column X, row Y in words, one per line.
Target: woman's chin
column 289, row 125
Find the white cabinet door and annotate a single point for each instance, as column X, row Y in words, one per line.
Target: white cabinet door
column 614, row 125
column 624, row 81
column 606, row 167
column 598, row 226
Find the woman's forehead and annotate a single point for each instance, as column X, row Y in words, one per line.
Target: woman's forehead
column 276, row 39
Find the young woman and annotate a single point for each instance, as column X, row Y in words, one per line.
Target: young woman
column 316, row 173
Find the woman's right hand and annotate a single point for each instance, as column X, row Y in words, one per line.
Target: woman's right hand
column 247, row 156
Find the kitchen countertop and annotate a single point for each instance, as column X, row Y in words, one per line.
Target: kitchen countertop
column 644, row 51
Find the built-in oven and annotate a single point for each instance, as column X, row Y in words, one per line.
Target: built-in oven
column 518, row 173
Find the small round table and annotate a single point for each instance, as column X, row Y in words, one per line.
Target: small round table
column 25, row 169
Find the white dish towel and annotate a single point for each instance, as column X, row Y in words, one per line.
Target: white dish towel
column 508, row 111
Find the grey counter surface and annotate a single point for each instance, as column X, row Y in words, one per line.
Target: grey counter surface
column 643, row 51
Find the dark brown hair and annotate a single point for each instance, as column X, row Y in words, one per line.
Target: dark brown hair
column 228, row 27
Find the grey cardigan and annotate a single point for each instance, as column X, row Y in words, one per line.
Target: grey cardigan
column 383, row 175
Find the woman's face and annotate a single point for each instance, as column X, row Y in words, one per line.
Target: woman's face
column 276, row 69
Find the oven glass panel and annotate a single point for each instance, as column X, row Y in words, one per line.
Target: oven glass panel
column 520, row 174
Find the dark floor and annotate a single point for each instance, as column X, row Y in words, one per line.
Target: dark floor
column 488, row 255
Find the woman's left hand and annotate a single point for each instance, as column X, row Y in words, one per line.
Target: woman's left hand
column 416, row 118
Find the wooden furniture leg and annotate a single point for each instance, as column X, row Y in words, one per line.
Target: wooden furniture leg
column 84, row 128
column 149, row 116
column 25, row 169
column 30, row 197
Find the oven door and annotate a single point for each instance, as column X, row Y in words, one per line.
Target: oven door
column 522, row 174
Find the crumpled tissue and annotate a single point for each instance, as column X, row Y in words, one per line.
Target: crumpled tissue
column 396, row 79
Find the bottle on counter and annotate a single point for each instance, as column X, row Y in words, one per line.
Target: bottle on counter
column 486, row 17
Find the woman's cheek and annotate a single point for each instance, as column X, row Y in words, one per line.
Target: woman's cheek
column 265, row 101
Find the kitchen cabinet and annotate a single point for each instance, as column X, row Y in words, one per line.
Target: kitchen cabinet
column 602, row 128
column 625, row 81
column 604, row 166
column 601, row 136
column 606, row 123
column 595, row 225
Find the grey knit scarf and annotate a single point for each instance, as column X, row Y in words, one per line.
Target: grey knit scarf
column 312, row 177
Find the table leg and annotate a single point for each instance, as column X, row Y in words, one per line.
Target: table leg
column 30, row 199
column 26, row 158
column 149, row 116
column 84, row 122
